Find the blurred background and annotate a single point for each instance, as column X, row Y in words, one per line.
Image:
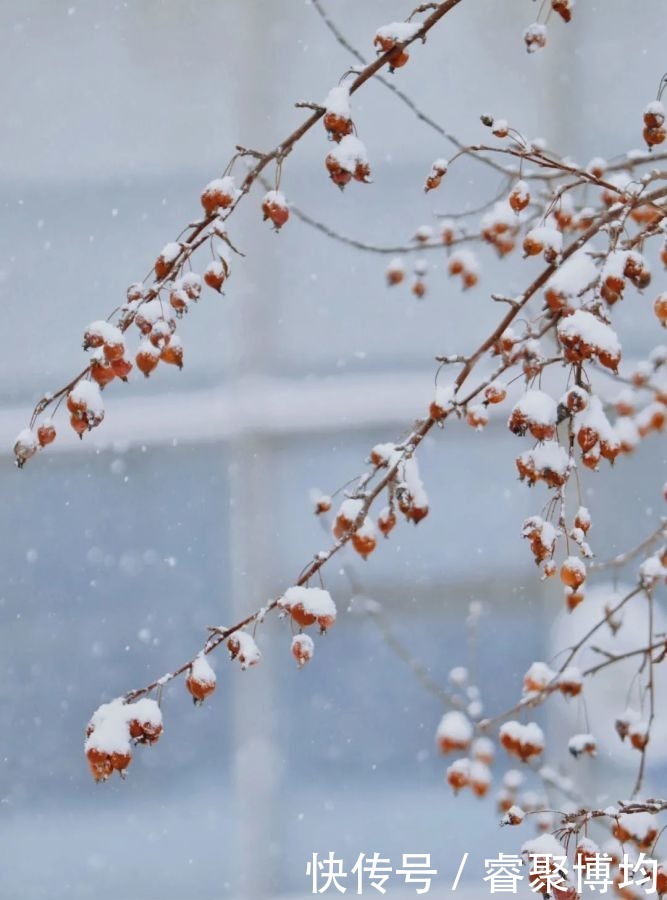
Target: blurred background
column 190, row 505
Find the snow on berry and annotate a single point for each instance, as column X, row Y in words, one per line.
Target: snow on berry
column 582, row 745
column 570, row 281
column 483, row 749
column 454, row 732
column 651, row 418
column 145, row 720
column 583, row 335
column 641, row 828
column 547, row 462
column 165, row 261
column 308, row 605
column 543, row 239
column 395, row 33
column 458, row 774
column 274, row 207
column 514, row 816
column 107, row 745
column 321, row 502
column 536, row 412
column 542, row 536
column 364, row 540
column 464, row 263
column 413, row 500
column 435, row 176
column 538, row 677
column 348, row 160
column 303, row 649
column 86, row 395
column 570, row 681
column 25, row 446
column 480, row 778
column 219, row 194
column 215, row 274
column 348, row 513
column 147, row 358
column 201, row 679
column 477, row 416
column 423, row 235
column 495, row 392
column 338, row 116
column 524, row 741
column 101, row 332
column 652, row 571
column 519, row 197
column 443, row 400
column 536, row 849
column 242, row 646
column 395, row 271
column 535, row 37
column 573, row 572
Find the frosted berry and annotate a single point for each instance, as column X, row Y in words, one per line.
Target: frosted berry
column 201, row 680
column 46, row 434
column 274, row 207
column 147, row 358
column 172, row 353
column 219, row 194
column 215, row 274
column 302, row 649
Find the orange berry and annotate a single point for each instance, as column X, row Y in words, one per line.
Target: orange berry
column 173, row 353
column 364, row 543
column 165, row 261
column 101, row 766
column 397, row 58
column 387, row 521
column 102, row 372
column 302, row 649
column 121, row 368
column 46, row 434
column 519, row 197
column 79, row 425
column 660, row 309
column 274, row 207
column 215, row 274
column 147, row 358
column 563, row 8
column 120, row 761
column 135, row 292
column 458, row 775
column 114, row 351
column 573, row 572
column 179, row 301
column 218, row 194
column 337, row 173
column 573, row 598
column 300, row 616
column 337, row 125
column 532, row 246
column 201, row 680
column 654, row 136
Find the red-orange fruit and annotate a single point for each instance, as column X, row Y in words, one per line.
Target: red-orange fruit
column 200, row 690
column 46, row 434
column 121, row 368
